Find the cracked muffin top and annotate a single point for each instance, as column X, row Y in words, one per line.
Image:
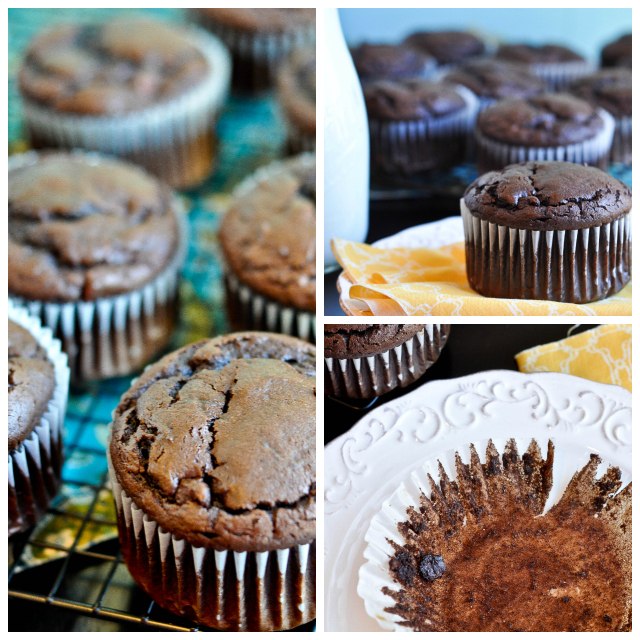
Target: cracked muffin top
column 268, row 234
column 537, row 54
column 447, row 47
column 216, row 442
column 547, row 196
column 82, row 227
column 116, row 67
column 412, row 100
column 31, row 383
column 609, row 89
column 358, row 340
column 496, row 79
column 390, row 62
column 262, row 20
column 541, row 121
column 482, row 553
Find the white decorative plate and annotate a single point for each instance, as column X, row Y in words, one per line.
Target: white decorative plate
column 364, row 466
column 431, row 235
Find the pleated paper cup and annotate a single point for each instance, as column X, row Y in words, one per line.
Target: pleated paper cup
column 228, row 590
column 412, row 146
column 375, row 375
column 173, row 140
column 577, row 266
column 116, row 335
column 492, row 154
column 257, row 56
column 35, row 465
column 621, row 147
column 559, row 76
column 251, row 310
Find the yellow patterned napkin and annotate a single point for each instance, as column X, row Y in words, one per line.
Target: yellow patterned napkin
column 420, row 281
column 602, row 354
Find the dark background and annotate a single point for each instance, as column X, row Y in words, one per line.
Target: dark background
column 469, row 349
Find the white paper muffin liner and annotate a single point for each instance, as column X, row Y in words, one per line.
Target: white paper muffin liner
column 375, row 375
column 255, row 311
column 250, row 309
column 492, row 154
column 35, row 465
column 230, row 590
column 173, row 140
column 621, row 147
column 558, row 76
column 412, row 146
column 116, row 335
column 577, row 266
column 257, row 56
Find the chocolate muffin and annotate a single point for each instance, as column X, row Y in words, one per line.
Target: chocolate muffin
column 134, row 87
column 558, row 66
column 390, row 62
column 37, row 398
column 610, row 89
column 95, row 249
column 492, row 80
column 480, row 552
column 547, row 231
column 447, row 47
column 259, row 40
column 362, row 361
column 297, row 99
column 418, row 125
column 617, row 53
column 553, row 126
column 212, row 462
column 268, row 241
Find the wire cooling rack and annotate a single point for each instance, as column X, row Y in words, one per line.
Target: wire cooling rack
column 70, row 562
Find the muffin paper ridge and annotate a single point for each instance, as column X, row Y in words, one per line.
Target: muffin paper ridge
column 281, row 579
column 370, row 376
column 578, row 266
column 559, row 75
column 38, row 459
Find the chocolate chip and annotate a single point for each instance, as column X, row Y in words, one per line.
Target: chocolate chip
column 432, row 567
column 607, row 618
column 566, row 599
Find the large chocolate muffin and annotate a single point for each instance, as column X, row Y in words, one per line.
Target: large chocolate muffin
column 390, row 62
column 367, row 360
column 553, row 126
column 87, row 237
column 132, row 87
column 268, row 239
column 447, row 47
column 417, row 125
column 215, row 447
column 548, row 231
column 481, row 553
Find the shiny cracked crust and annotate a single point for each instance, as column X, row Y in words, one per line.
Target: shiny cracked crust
column 31, row 384
column 121, row 66
column 548, row 196
column 268, row 233
column 82, row 228
column 390, row 62
column 216, row 442
column 479, row 556
column 541, row 121
column 358, row 340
